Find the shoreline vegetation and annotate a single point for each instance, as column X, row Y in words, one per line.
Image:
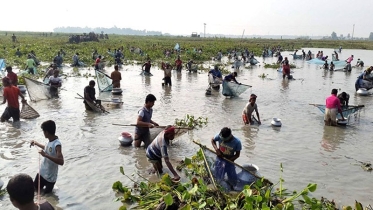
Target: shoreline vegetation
column 152, row 47
column 194, row 193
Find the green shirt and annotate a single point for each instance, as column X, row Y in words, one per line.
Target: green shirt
column 30, row 63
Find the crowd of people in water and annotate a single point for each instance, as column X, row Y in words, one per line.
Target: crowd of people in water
column 21, row 187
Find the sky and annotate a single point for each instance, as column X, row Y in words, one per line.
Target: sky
column 260, row 17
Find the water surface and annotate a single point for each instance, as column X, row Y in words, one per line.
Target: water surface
column 309, row 151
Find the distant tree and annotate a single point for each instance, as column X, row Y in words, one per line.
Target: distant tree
column 334, row 35
column 371, row 36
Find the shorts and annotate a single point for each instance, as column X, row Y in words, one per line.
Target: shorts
column 330, row 114
column 10, row 112
column 244, row 119
column 143, row 137
column 31, row 70
column 167, row 81
column 43, row 183
column 152, row 158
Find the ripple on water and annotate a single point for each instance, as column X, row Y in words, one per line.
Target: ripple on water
column 308, row 151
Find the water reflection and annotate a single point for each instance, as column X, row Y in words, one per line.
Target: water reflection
column 285, row 84
column 333, row 137
column 250, row 133
column 146, row 80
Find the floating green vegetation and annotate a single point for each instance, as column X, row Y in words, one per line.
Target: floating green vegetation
column 277, row 65
column 197, row 193
column 263, row 76
column 152, row 47
column 3, row 192
column 191, row 121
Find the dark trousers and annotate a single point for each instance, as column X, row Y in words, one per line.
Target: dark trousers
column 10, row 112
column 167, row 80
column 43, row 183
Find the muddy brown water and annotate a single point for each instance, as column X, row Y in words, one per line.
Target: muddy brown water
column 308, row 151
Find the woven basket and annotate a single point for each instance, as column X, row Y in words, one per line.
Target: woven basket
column 28, row 112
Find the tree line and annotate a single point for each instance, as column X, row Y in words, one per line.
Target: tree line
column 112, row 30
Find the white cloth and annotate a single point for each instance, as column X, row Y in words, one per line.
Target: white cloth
column 55, row 80
column 248, row 110
column 330, row 114
column 49, row 169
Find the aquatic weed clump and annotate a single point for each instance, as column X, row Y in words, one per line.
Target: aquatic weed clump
column 197, row 191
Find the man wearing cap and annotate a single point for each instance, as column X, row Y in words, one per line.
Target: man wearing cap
column 229, row 148
column 144, row 122
column 158, row 150
column 10, row 94
column 12, row 76
column 249, row 109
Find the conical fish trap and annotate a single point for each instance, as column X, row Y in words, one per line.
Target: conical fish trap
column 28, row 112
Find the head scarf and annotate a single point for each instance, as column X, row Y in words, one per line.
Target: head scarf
column 171, row 129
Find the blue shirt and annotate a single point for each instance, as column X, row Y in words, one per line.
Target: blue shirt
column 146, row 116
column 230, row 78
column 228, row 148
column 216, row 73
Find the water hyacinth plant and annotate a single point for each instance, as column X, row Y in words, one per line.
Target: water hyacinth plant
column 197, row 193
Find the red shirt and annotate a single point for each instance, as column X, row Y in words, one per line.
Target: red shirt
column 11, row 95
column 98, row 61
column 178, row 62
column 286, row 69
column 13, row 78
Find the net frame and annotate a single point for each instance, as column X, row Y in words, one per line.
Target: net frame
column 37, row 90
column 27, row 112
column 104, row 82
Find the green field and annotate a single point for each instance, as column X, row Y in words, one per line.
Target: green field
column 152, row 46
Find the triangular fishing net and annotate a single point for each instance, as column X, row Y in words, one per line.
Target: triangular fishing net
column 233, row 89
column 96, row 107
column 347, row 111
column 229, row 176
column 37, row 90
column 27, row 112
column 104, row 83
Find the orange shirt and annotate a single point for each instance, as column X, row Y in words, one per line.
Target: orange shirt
column 11, row 94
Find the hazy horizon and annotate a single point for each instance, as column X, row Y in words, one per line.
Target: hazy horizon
column 270, row 17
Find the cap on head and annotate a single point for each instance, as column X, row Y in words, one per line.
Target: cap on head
column 225, row 134
column 169, row 129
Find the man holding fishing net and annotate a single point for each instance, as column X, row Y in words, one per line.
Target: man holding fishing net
column 10, row 95
column 144, row 122
column 158, row 150
column 229, row 149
